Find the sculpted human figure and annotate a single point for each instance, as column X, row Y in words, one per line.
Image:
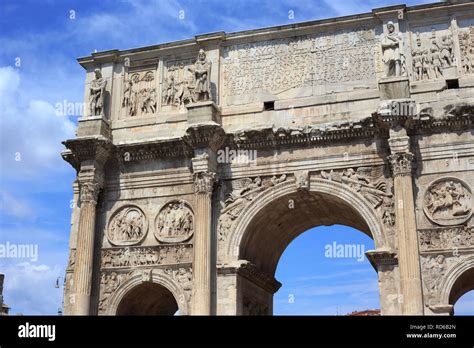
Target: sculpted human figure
column 420, row 62
column 202, row 73
column 446, row 50
column 391, row 45
column 435, row 267
column 127, row 93
column 170, row 90
column 435, row 59
column 184, row 278
column 97, row 93
column 467, row 65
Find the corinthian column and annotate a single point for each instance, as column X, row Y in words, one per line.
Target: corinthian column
column 89, row 192
column 203, row 186
column 405, row 223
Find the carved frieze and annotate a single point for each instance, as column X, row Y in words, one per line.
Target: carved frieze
column 279, row 65
column 139, row 93
column 451, row 238
column 371, row 183
column 243, row 192
column 127, row 226
column 466, row 44
column 448, row 201
column 174, row 223
column 146, row 256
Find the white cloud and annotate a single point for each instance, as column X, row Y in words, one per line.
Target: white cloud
column 15, row 207
column 29, row 288
column 31, row 134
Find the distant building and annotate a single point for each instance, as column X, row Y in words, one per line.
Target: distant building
column 366, row 313
column 4, row 308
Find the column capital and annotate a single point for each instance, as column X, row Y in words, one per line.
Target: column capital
column 400, row 163
column 89, row 192
column 204, row 182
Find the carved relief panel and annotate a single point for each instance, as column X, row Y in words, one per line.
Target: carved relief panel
column 447, row 238
column 448, row 201
column 466, row 45
column 139, row 93
column 302, row 64
column 436, row 267
column 244, row 191
column 433, row 55
column 174, row 223
column 146, row 256
column 372, row 184
column 127, row 226
column 178, row 84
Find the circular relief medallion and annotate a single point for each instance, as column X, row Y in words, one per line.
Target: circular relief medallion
column 448, row 201
column 128, row 226
column 174, row 223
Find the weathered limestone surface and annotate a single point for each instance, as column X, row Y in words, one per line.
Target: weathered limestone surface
column 199, row 161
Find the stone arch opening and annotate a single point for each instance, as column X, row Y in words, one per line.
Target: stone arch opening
column 462, row 285
column 324, row 271
column 148, row 299
column 275, row 226
column 268, row 225
column 165, row 296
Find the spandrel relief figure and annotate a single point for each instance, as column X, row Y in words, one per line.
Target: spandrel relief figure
column 391, row 48
column 97, row 94
column 435, row 268
column 202, row 74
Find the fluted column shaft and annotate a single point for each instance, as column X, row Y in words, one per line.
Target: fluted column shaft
column 405, row 222
column 85, row 249
column 203, row 185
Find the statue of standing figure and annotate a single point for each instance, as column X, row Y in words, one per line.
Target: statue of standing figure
column 202, row 75
column 391, row 45
column 97, row 94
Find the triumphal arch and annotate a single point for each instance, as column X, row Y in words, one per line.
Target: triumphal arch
column 199, row 161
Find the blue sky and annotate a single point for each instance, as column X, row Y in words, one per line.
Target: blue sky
column 40, row 41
